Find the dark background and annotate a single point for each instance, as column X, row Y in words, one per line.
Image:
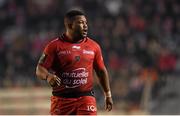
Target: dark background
column 140, row 41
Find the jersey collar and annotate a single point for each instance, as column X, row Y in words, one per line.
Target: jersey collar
column 64, row 38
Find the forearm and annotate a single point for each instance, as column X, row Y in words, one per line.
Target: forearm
column 41, row 72
column 104, row 81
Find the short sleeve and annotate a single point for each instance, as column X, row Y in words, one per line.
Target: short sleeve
column 98, row 61
column 47, row 57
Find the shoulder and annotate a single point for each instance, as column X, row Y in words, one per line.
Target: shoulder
column 93, row 43
column 54, row 40
column 52, row 44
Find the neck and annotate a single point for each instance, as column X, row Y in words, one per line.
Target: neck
column 69, row 36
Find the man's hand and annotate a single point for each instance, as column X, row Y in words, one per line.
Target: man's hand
column 108, row 103
column 53, row 80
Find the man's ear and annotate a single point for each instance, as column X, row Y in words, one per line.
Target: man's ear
column 70, row 25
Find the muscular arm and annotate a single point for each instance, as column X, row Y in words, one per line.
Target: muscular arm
column 42, row 73
column 45, row 63
column 104, row 82
column 103, row 79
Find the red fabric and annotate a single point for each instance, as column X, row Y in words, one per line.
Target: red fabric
column 115, row 62
column 149, row 73
column 167, row 62
column 85, row 105
column 73, row 63
column 137, row 22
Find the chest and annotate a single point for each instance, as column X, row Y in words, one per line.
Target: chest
column 75, row 54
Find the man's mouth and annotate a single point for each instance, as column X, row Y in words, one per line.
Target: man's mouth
column 84, row 32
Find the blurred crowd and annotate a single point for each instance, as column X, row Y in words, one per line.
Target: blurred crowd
column 140, row 41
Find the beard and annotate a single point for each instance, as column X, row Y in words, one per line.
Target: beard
column 79, row 35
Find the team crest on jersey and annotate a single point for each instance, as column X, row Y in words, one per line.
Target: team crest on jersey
column 77, row 58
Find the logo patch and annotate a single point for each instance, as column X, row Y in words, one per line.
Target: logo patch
column 91, row 108
column 64, row 52
column 76, row 47
column 77, row 58
column 75, row 78
column 88, row 52
column 42, row 58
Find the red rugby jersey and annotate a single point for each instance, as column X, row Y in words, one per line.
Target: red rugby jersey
column 73, row 63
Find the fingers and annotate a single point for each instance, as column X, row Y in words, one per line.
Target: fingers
column 58, row 80
column 109, row 107
column 108, row 104
column 54, row 80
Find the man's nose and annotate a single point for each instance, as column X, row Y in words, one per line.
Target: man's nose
column 85, row 25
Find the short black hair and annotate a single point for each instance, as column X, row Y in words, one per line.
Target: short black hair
column 72, row 13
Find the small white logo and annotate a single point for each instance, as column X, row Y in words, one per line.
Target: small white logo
column 88, row 52
column 72, row 86
column 63, row 52
column 91, row 108
column 76, row 47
